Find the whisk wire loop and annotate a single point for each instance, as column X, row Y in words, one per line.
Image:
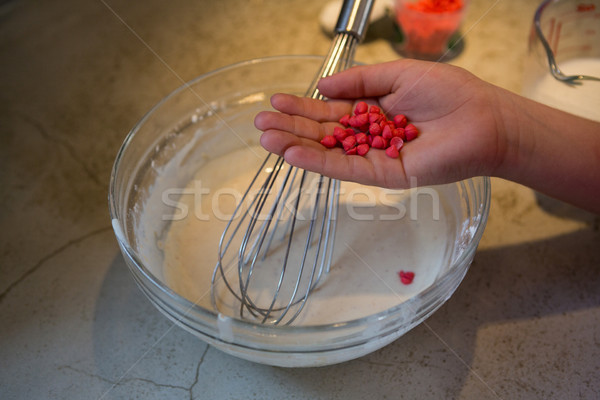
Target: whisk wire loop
column 297, row 230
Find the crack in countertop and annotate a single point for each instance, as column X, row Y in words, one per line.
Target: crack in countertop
column 49, row 256
column 197, row 377
column 65, row 144
column 116, row 383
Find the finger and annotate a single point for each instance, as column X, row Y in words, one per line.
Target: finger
column 317, row 110
column 298, row 125
column 361, row 81
column 374, row 169
column 276, row 141
column 333, row 163
column 310, row 155
column 374, row 80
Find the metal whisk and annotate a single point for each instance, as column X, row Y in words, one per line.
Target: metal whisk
column 284, row 228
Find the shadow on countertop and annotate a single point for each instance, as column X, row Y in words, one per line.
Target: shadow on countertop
column 525, row 317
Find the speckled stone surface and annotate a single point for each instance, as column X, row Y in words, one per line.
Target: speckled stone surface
column 75, row 76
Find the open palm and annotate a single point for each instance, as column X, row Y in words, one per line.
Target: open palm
column 453, row 110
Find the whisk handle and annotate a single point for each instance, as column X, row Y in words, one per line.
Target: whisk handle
column 354, row 17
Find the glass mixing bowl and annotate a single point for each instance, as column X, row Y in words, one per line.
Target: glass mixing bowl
column 203, row 133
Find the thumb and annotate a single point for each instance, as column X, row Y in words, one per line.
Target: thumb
column 364, row 81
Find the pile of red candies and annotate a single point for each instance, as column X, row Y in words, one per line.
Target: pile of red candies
column 368, row 128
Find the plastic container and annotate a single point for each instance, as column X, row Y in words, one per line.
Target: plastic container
column 429, row 28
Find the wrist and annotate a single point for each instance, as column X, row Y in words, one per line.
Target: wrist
column 548, row 150
column 515, row 128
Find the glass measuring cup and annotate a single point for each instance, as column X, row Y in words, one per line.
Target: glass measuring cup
column 562, row 68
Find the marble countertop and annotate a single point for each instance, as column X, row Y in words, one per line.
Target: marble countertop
column 75, row 76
